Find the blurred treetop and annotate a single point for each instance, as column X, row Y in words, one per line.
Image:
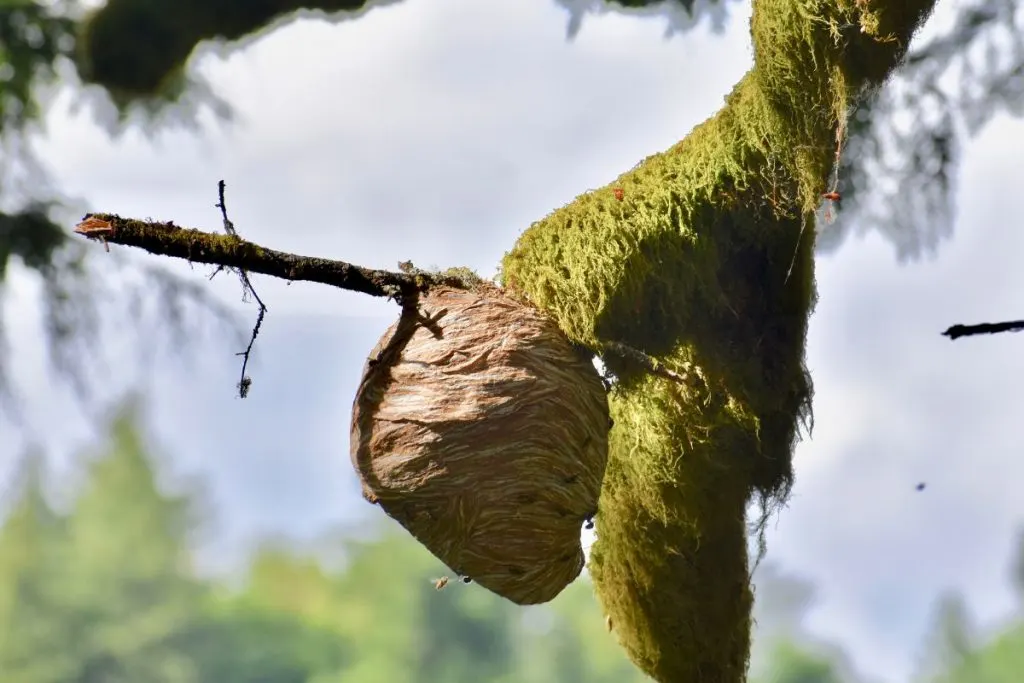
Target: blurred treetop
column 104, row 587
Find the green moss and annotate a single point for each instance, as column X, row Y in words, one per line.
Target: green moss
column 670, row 568
column 702, row 257
column 692, row 266
column 461, row 273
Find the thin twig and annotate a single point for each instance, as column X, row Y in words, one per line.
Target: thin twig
column 957, row 331
column 244, row 382
column 650, row 363
column 229, row 227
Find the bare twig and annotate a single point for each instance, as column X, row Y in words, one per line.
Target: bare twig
column 957, row 331
column 244, row 382
column 229, row 227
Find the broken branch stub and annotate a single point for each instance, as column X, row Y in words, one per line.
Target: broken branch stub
column 482, row 430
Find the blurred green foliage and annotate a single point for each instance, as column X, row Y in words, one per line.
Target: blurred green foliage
column 107, row 590
column 104, row 588
column 34, row 37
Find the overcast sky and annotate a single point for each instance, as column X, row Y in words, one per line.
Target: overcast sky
column 436, row 132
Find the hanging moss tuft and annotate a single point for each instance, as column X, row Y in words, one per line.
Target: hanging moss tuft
column 670, row 567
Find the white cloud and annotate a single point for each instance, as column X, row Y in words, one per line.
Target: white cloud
column 899, row 404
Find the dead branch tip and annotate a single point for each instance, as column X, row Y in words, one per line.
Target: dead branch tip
column 957, row 331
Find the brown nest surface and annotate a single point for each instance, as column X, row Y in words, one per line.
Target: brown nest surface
column 482, row 430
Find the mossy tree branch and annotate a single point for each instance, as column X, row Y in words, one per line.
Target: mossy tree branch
column 231, row 251
column 702, row 256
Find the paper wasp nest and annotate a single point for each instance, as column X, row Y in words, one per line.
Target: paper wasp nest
column 484, row 432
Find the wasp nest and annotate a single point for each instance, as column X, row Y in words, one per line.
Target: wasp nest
column 484, row 432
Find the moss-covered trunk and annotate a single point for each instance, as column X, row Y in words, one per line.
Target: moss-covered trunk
column 702, row 256
column 670, row 567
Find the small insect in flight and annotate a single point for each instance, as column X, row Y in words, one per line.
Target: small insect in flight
column 440, row 583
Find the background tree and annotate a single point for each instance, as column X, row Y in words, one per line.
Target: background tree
column 998, row 661
column 128, row 568
column 344, row 608
column 127, row 604
column 1017, row 569
column 32, row 616
column 793, row 665
column 950, row 648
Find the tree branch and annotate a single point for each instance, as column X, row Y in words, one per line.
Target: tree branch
column 957, row 331
column 196, row 246
column 244, row 381
column 231, row 251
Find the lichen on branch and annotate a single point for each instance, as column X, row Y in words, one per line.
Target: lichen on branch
column 231, row 251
